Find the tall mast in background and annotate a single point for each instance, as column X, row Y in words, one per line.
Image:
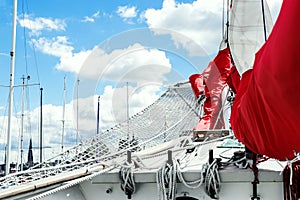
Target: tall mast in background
column 11, row 87
column 63, row 120
column 77, row 116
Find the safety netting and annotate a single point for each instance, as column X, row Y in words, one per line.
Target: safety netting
column 173, row 115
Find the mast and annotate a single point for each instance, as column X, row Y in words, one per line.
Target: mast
column 77, row 129
column 98, row 115
column 22, row 122
column 97, row 133
column 11, row 87
column 127, row 109
column 63, row 120
column 41, row 126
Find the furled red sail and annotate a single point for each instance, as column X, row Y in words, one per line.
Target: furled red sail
column 211, row 82
column 266, row 111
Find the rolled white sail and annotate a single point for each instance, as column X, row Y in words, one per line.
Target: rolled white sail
column 250, row 23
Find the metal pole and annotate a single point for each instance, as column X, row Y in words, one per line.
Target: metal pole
column 11, row 87
column 98, row 115
column 77, row 129
column 22, row 123
column 127, row 108
column 41, row 127
column 63, row 120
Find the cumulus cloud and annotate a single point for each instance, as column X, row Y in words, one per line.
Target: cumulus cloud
column 58, row 46
column 113, row 110
column 39, row 24
column 127, row 64
column 201, row 21
column 61, row 47
column 127, row 12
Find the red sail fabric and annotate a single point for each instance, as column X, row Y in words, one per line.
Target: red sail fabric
column 214, row 77
column 266, row 112
column 197, row 84
column 233, row 80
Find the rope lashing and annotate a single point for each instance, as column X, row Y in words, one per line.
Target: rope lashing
column 126, row 176
column 291, row 178
column 166, row 181
column 212, row 180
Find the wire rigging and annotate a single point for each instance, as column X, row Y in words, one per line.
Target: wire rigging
column 25, row 40
column 25, row 3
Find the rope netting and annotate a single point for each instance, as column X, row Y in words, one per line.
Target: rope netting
column 173, row 115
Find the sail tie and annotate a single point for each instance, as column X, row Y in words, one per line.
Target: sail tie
column 291, row 176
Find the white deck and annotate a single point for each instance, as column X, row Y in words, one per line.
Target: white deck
column 235, row 182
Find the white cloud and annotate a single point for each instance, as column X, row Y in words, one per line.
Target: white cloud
column 135, row 63
column 92, row 18
column 114, row 102
column 113, row 110
column 37, row 25
column 60, row 47
column 201, row 21
column 72, row 62
column 96, row 14
column 88, row 19
column 127, row 12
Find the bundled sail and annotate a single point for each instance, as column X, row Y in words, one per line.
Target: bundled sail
column 265, row 114
column 250, row 23
column 211, row 83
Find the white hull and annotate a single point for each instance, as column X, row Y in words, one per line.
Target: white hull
column 236, row 183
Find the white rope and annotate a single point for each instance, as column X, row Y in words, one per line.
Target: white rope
column 212, row 180
column 127, row 179
column 166, row 181
column 290, row 165
column 191, row 184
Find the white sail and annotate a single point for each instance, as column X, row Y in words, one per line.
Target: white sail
column 250, row 23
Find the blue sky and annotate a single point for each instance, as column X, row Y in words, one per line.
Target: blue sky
column 104, row 44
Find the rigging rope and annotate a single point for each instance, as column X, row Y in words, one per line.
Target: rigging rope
column 291, row 178
column 212, row 179
column 127, row 179
column 166, row 181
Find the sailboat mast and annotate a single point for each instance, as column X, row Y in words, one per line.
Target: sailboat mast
column 63, row 120
column 22, row 123
column 11, row 87
column 77, row 104
column 41, row 126
column 127, row 108
column 98, row 115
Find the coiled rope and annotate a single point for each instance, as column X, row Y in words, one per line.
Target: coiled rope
column 166, row 181
column 127, row 179
column 212, row 179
